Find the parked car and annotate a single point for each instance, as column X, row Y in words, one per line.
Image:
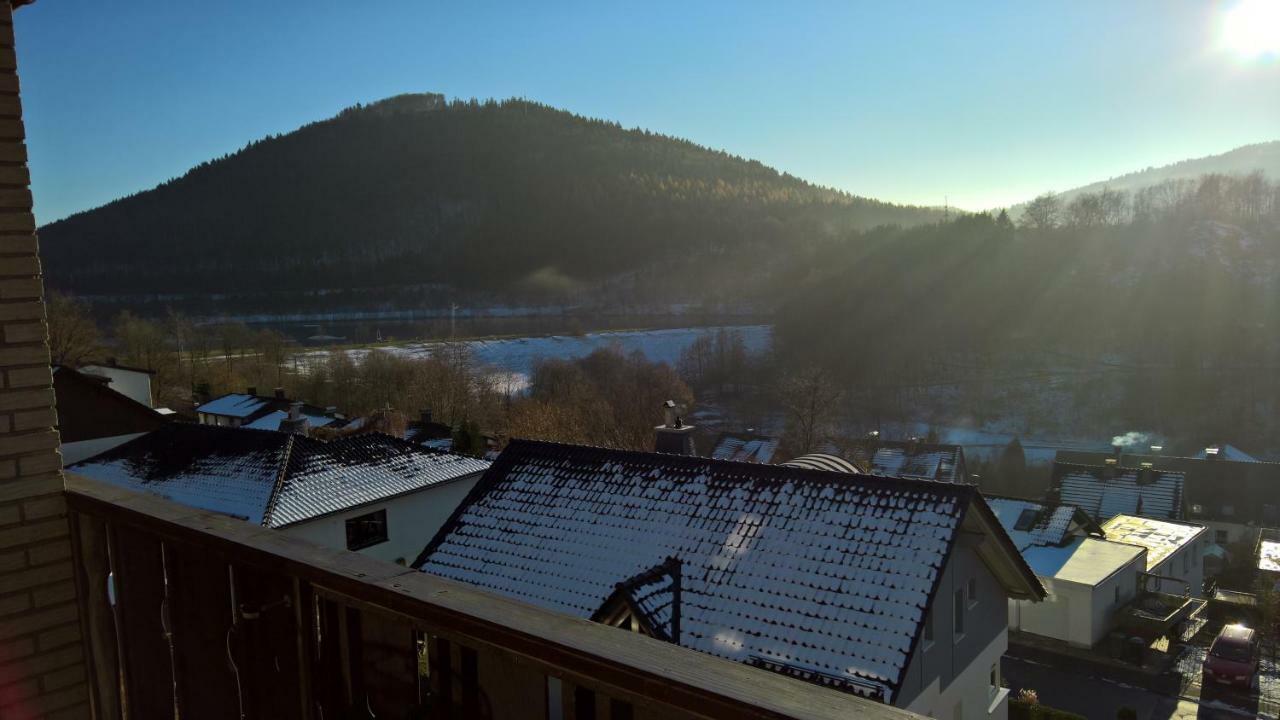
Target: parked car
column 1233, row 657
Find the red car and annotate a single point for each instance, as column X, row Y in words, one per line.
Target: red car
column 1233, row 657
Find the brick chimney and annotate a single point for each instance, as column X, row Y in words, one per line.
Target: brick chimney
column 673, row 436
column 251, row 390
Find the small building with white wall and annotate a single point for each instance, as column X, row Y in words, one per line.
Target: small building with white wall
column 1087, row 577
column 1175, row 551
column 371, row 493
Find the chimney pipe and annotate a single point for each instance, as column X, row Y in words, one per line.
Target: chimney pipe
column 425, row 416
column 295, row 424
column 913, row 445
column 279, row 393
column 1116, row 451
column 673, row 436
column 1109, row 468
column 251, row 390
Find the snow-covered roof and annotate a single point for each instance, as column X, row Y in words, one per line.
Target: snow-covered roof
column 912, row 459
column 654, row 596
column 1161, row 538
column 1105, row 492
column 270, row 478
column 745, row 448
column 814, row 571
column 271, row 421
column 1227, row 452
column 235, row 405
column 1084, row 560
column 1269, row 550
column 1030, row 523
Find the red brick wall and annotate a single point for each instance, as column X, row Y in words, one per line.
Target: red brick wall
column 42, row 671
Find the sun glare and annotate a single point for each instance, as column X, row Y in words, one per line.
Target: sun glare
column 1251, row 28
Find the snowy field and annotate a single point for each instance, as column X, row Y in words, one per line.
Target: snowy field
column 511, row 360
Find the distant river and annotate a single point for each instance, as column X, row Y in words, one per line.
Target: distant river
column 513, row 359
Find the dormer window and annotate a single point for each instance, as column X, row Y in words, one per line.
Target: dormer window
column 1026, row 520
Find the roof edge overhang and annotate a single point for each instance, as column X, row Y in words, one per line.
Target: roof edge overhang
column 999, row 553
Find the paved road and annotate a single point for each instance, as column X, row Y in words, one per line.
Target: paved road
column 1097, row 698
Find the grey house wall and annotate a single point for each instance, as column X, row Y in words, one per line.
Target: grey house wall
column 947, row 658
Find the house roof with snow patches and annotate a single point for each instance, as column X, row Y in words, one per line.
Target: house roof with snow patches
column 1036, row 524
column 744, row 447
column 1105, row 491
column 816, row 574
column 1161, row 538
column 269, row 478
column 912, row 459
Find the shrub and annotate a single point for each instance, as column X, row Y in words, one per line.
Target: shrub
column 1020, row 709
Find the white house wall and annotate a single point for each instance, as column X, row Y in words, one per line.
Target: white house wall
column 1080, row 615
column 412, row 520
column 130, row 383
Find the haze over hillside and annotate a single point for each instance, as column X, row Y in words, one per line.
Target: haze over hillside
column 417, row 202
column 1264, row 157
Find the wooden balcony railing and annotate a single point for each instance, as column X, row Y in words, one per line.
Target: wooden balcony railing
column 190, row 615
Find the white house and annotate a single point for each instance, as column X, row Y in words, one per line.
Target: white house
column 1175, row 551
column 371, row 493
column 1087, row 578
column 887, row 588
column 133, row 383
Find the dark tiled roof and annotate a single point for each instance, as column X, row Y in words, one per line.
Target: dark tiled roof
column 744, row 447
column 1222, row 490
column 907, row 459
column 272, row 478
column 827, row 573
column 1105, row 492
column 1031, row 523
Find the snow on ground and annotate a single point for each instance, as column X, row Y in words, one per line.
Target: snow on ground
column 511, row 360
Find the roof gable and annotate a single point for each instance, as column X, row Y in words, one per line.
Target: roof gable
column 824, row 572
column 651, row 598
column 1030, row 523
column 88, row 408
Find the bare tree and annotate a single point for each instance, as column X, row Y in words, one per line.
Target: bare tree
column 1042, row 213
column 73, row 336
column 811, row 398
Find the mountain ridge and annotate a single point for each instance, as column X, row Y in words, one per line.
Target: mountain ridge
column 1260, row 156
column 415, row 200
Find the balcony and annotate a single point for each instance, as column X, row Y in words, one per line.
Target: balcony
column 195, row 615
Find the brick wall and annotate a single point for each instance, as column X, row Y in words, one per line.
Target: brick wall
column 42, row 671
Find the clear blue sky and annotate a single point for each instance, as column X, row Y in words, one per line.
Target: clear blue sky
column 987, row 103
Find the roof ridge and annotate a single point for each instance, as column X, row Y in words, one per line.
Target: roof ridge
column 782, row 471
column 274, row 499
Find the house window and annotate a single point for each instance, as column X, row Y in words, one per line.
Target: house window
column 957, row 610
column 367, row 530
column 1220, row 537
column 1026, row 520
column 973, row 591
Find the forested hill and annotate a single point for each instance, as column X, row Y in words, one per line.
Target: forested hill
column 416, row 201
column 1258, row 157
